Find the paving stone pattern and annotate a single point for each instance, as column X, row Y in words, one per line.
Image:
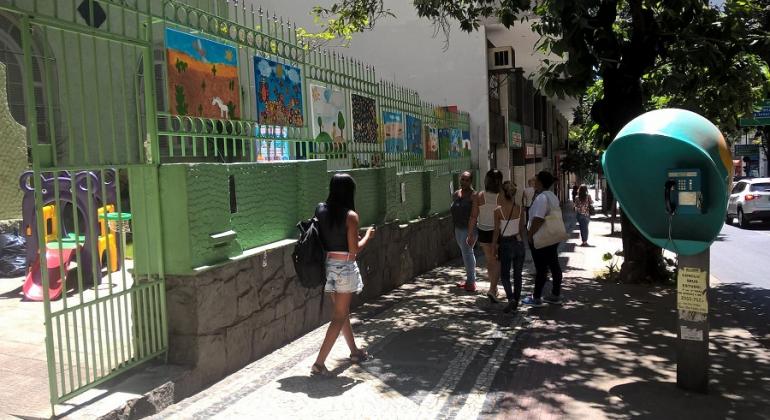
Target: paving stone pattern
column 607, row 353
column 222, row 319
column 424, row 350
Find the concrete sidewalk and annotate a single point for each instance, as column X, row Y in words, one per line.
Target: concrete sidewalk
column 438, row 352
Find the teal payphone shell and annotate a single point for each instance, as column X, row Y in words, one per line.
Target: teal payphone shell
column 684, row 192
column 668, row 146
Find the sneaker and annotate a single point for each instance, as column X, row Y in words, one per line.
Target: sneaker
column 467, row 287
column 553, row 300
column 535, row 303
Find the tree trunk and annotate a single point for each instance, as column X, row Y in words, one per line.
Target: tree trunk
column 642, row 261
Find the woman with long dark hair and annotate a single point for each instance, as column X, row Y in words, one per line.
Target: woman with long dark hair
column 483, row 217
column 509, row 225
column 583, row 206
column 339, row 223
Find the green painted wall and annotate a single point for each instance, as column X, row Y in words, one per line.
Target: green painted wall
column 312, row 187
column 267, row 202
column 414, row 206
column 439, row 192
column 13, row 159
column 392, row 194
column 271, row 198
column 208, row 198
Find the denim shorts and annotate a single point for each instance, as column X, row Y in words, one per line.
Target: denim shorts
column 343, row 277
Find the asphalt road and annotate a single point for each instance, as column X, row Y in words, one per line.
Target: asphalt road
column 742, row 256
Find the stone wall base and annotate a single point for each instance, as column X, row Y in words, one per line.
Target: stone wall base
column 222, row 319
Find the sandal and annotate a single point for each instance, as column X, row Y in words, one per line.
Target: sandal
column 320, row 370
column 492, row 298
column 359, row 356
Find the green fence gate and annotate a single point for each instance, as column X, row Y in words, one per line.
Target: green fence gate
column 86, row 112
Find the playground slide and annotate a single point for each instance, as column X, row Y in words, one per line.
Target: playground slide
column 33, row 285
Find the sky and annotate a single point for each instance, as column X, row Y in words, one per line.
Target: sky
column 192, row 45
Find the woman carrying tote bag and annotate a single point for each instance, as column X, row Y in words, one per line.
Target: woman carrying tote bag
column 545, row 231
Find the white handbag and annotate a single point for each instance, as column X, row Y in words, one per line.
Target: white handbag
column 552, row 231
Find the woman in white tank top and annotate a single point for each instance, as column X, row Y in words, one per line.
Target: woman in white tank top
column 510, row 222
column 483, row 217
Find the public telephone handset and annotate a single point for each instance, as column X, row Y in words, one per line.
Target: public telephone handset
column 683, row 192
column 667, row 196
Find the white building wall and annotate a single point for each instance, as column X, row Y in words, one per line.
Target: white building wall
column 405, row 50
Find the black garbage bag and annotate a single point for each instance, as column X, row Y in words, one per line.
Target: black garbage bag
column 12, row 255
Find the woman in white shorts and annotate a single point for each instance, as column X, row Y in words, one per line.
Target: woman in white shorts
column 339, row 223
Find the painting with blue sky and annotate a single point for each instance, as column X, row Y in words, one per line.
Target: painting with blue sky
column 202, row 76
column 394, row 132
column 279, row 93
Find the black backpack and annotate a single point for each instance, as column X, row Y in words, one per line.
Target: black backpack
column 309, row 256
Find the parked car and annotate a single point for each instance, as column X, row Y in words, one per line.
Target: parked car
column 749, row 201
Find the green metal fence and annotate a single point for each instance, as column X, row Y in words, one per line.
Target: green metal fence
column 102, row 316
column 105, row 120
column 256, row 33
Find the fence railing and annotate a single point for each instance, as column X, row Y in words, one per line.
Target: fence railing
column 124, row 85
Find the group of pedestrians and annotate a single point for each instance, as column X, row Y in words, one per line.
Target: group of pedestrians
column 494, row 217
column 501, row 225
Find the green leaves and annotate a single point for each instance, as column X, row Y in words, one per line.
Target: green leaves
column 341, row 20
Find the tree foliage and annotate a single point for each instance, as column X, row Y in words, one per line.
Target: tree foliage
column 586, row 137
column 647, row 54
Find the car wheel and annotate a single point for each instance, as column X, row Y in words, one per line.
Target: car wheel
column 742, row 221
column 729, row 219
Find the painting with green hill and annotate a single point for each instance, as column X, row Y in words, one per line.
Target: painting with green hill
column 329, row 114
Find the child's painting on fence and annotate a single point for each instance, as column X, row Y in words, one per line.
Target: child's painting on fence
column 202, row 77
column 413, row 135
column 364, row 119
column 328, row 114
column 394, row 132
column 431, row 142
column 279, row 93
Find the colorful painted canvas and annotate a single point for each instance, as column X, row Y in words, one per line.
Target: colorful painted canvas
column 455, row 142
column 202, row 77
column 431, row 142
column 364, row 119
column 279, row 93
column 413, row 135
column 328, row 113
column 444, row 139
column 394, row 132
column 466, row 143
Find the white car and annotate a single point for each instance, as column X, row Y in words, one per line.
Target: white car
column 749, row 201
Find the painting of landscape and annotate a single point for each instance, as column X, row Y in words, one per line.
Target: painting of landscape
column 394, row 132
column 329, row 114
column 202, row 77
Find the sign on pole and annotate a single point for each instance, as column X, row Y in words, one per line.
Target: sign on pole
column 759, row 117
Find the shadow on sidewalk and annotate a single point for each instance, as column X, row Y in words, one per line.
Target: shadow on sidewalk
column 319, row 387
column 610, row 352
column 431, row 343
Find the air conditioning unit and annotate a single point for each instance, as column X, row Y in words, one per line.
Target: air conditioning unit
column 500, row 59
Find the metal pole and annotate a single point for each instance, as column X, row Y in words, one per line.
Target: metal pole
column 692, row 344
